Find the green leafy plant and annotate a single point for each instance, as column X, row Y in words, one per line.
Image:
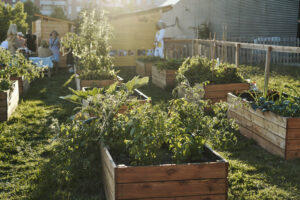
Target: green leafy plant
column 5, row 85
column 91, row 47
column 169, row 64
column 200, row 69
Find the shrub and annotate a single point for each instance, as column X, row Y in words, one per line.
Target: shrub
column 172, row 64
column 149, row 59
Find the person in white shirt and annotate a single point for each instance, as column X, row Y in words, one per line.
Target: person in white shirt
column 4, row 44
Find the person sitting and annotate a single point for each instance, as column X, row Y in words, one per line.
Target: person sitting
column 43, row 50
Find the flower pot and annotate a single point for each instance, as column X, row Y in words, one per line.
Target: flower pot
column 143, row 68
column 165, row 78
column 9, row 100
column 207, row 180
column 278, row 135
column 23, row 85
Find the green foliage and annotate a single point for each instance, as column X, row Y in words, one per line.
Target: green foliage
column 200, row 69
column 5, row 84
column 31, row 9
column 91, row 47
column 58, row 12
column 169, row 64
column 149, row 59
column 203, row 31
column 278, row 103
column 18, row 66
column 9, row 15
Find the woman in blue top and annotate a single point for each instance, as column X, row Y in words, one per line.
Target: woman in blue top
column 54, row 45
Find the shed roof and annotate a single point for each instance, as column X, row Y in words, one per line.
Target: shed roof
column 54, row 19
column 164, row 5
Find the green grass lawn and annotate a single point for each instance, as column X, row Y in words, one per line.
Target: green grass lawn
column 31, row 168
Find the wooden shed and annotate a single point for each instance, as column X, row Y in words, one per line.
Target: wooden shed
column 134, row 34
column 45, row 25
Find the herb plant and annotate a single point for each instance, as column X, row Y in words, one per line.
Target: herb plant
column 5, row 84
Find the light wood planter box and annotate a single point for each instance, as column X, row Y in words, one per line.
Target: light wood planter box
column 218, row 92
column 23, row 85
column 170, row 181
column 9, row 102
column 163, row 78
column 143, row 68
column 278, row 135
column 94, row 83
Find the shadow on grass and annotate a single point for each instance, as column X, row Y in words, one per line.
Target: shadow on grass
column 256, row 174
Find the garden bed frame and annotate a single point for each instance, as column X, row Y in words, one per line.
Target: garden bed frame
column 165, row 78
column 143, row 68
column 206, row 180
column 278, row 135
column 23, row 85
column 94, row 83
column 218, row 92
column 9, row 100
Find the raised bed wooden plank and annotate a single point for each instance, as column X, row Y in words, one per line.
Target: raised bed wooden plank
column 293, row 145
column 163, row 78
column 9, row 102
column 292, row 155
column 293, row 133
column 294, row 123
column 171, row 172
column 171, row 189
column 204, row 197
column 143, row 69
column 262, row 142
column 259, row 131
column 227, row 87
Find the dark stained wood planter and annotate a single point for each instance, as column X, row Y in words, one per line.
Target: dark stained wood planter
column 23, row 85
column 218, row 92
column 9, row 102
column 163, row 78
column 278, row 135
column 170, row 181
column 94, row 83
column 143, row 68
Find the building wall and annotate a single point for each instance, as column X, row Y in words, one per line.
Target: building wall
column 236, row 18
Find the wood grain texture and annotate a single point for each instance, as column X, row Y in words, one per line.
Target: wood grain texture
column 171, row 189
column 9, row 102
column 143, row 69
column 171, row 172
column 203, row 197
column 163, row 78
column 294, row 123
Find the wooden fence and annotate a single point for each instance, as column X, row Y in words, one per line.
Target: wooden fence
column 234, row 52
column 225, row 50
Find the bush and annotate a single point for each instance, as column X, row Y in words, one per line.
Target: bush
column 200, row 69
column 149, row 59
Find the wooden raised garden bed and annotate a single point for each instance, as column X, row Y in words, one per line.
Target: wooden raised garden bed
column 218, row 92
column 9, row 102
column 23, row 85
column 143, row 68
column 207, row 180
column 94, row 83
column 165, row 78
column 278, row 135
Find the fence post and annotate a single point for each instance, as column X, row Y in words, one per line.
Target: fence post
column 267, row 70
column 237, row 55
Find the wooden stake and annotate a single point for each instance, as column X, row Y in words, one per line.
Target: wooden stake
column 237, row 55
column 267, row 70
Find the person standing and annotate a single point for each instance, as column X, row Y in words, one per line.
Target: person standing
column 12, row 39
column 30, row 40
column 54, row 45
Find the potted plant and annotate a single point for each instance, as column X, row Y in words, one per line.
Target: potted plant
column 216, row 81
column 273, row 121
column 91, row 51
column 9, row 98
column 164, row 73
column 144, row 65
